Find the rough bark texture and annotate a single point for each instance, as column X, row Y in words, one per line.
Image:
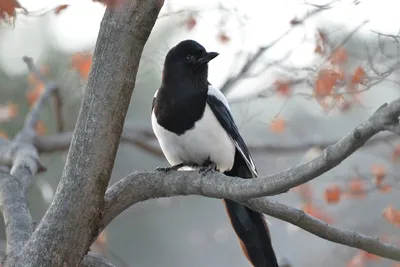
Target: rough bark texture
column 70, row 225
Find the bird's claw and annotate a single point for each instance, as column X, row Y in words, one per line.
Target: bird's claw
column 210, row 168
column 172, row 168
column 163, row 169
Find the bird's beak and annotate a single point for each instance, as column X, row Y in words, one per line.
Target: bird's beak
column 207, row 57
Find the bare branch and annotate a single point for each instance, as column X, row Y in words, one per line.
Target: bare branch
column 143, row 186
column 138, row 137
column 23, row 159
column 15, row 211
column 58, row 111
column 28, row 133
column 252, row 60
column 322, row 229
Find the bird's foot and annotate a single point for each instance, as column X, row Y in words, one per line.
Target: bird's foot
column 163, row 169
column 208, row 168
column 172, row 168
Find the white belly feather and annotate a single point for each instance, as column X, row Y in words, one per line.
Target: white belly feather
column 206, row 140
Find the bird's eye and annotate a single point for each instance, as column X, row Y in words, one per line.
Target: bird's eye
column 188, row 58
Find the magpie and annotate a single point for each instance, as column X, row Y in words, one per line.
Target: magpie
column 194, row 127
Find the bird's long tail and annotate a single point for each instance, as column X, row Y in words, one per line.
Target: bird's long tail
column 250, row 227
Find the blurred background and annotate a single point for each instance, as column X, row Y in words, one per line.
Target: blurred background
column 282, row 105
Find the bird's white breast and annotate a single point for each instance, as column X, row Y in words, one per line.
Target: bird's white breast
column 206, row 140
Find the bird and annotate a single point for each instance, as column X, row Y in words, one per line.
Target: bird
column 194, row 126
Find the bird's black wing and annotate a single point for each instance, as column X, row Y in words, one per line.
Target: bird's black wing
column 224, row 116
column 249, row 225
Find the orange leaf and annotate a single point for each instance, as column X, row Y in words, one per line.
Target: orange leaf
column 396, row 153
column 332, row 194
column 326, row 81
column 369, row 256
column 379, row 171
column 316, row 212
column 391, row 215
column 356, row 261
column 357, row 187
column 278, row 125
column 34, row 94
column 282, row 87
column 190, row 22
column 7, row 8
column 385, row 188
column 223, row 37
column 32, row 79
column 60, row 8
column 358, row 76
column 12, row 109
column 339, row 56
column 3, row 134
column 82, row 62
column 40, row 128
column 318, row 49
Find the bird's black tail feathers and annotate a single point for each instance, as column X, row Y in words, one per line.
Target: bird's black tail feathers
column 250, row 227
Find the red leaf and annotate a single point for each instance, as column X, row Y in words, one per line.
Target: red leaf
column 332, row 194
column 357, row 187
column 60, row 8
column 278, row 125
column 358, row 76
column 326, row 81
column 282, row 87
column 82, row 62
column 8, row 8
column 392, row 215
column 190, row 22
column 223, row 37
column 379, row 172
column 339, row 56
column 318, row 49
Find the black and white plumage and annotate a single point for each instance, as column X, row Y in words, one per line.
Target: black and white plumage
column 194, row 126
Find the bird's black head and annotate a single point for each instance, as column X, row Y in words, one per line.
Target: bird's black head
column 187, row 60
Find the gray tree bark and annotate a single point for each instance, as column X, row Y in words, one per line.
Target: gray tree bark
column 74, row 218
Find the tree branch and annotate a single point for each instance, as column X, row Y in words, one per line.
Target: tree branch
column 74, row 216
column 322, row 229
column 15, row 211
column 23, row 159
column 62, row 141
column 28, row 133
column 252, row 60
column 140, row 186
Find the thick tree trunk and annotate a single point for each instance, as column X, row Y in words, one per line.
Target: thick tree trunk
column 72, row 222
